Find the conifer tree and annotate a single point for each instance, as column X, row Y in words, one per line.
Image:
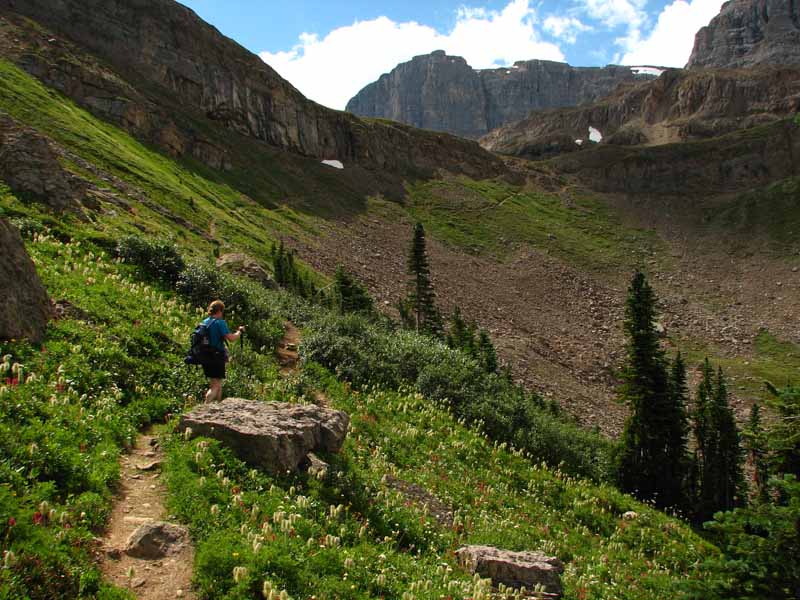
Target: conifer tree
column 348, row 294
column 459, row 335
column 487, row 355
column 754, row 442
column 422, row 298
column 653, row 463
column 721, row 480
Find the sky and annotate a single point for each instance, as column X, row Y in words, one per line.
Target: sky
column 330, row 50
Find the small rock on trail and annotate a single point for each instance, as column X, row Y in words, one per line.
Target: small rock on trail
column 140, row 552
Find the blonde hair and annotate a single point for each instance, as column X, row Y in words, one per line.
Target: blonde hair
column 215, row 307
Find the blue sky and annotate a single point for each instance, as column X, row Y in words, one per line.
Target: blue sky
column 330, row 50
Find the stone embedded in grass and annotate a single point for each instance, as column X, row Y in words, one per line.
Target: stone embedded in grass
column 513, row 569
column 156, row 540
column 276, row 436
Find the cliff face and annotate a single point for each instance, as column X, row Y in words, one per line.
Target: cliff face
column 748, row 33
column 444, row 93
column 165, row 60
column 679, row 106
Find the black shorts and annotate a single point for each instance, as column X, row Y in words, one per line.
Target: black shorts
column 215, row 368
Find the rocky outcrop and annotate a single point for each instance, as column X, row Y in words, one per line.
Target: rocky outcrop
column 156, row 540
column 29, row 165
column 166, row 62
column 26, row 307
column 242, row 264
column 273, row 435
column 733, row 163
column 678, row 106
column 513, row 569
column 443, row 93
column 747, row 33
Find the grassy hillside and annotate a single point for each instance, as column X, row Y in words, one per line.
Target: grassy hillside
column 356, row 534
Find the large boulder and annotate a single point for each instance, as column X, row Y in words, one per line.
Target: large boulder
column 276, row 436
column 513, row 569
column 26, row 307
column 242, row 264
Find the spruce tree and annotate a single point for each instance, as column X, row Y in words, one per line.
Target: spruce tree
column 459, row 335
column 754, row 442
column 721, row 479
column 653, row 463
column 348, row 294
column 487, row 355
column 422, row 298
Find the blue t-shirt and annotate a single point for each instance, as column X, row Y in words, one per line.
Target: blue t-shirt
column 217, row 330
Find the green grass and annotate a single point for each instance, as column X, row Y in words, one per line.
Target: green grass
column 773, row 360
column 772, row 213
column 495, row 218
column 390, row 547
column 187, row 190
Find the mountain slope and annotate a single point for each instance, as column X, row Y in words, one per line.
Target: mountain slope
column 443, row 93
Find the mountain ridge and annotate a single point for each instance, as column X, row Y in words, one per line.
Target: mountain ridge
column 441, row 92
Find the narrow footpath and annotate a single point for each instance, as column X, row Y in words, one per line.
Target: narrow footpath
column 140, row 553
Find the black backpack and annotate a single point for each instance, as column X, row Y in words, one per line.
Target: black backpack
column 200, row 349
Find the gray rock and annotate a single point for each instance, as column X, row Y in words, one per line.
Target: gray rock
column 242, row 264
column 443, row 93
column 156, row 540
column 29, row 164
column 748, row 33
column 513, row 569
column 276, row 436
column 26, row 306
column 164, row 46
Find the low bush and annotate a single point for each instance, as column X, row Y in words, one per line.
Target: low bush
column 365, row 353
column 158, row 259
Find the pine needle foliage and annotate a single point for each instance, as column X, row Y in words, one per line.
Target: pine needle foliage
column 653, row 463
column 421, row 300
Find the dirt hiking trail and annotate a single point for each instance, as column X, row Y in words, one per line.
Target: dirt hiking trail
column 139, row 501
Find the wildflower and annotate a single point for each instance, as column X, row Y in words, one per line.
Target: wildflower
column 239, row 574
column 9, row 558
column 38, row 518
column 11, row 521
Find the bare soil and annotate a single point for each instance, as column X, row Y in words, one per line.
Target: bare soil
column 140, row 499
column 560, row 327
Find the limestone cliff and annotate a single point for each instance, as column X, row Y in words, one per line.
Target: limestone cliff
column 157, row 60
column 443, row 93
column 748, row 33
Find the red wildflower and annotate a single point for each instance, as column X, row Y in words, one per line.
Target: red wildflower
column 11, row 521
column 38, row 518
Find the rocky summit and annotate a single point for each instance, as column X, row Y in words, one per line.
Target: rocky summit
column 748, row 33
column 443, row 93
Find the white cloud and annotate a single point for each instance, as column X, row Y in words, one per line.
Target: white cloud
column 613, row 13
column 565, row 28
column 670, row 42
column 330, row 70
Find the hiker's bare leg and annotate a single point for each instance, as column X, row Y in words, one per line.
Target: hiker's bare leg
column 214, row 393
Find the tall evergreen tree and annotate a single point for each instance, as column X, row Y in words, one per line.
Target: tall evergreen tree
column 721, row 479
column 422, row 298
column 754, row 442
column 676, row 424
column 653, row 463
column 487, row 355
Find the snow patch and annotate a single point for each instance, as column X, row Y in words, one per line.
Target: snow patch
column 647, row 71
column 336, row 164
column 595, row 135
column 579, row 142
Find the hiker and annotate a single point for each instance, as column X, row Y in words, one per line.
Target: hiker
column 218, row 334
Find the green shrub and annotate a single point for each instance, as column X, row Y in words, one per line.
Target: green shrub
column 158, row 259
column 365, row 353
